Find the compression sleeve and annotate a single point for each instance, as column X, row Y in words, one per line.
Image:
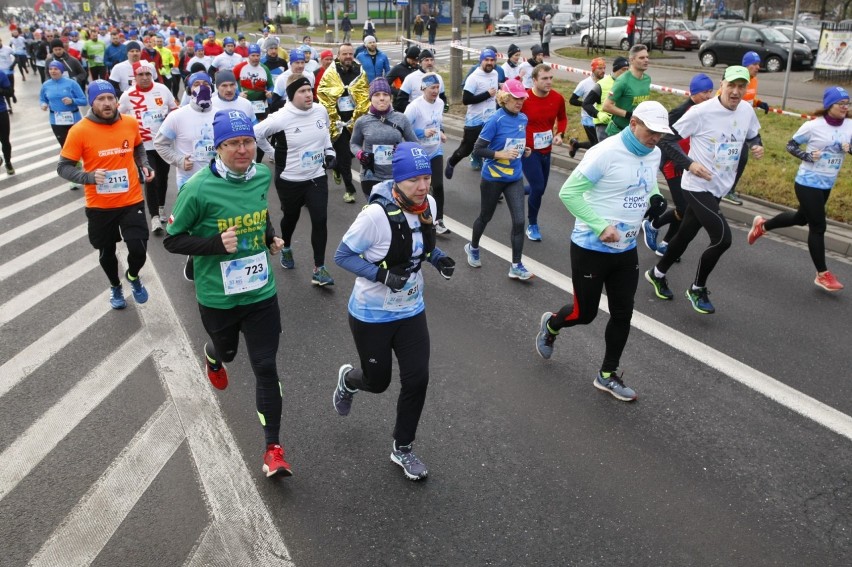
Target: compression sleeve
column 571, row 195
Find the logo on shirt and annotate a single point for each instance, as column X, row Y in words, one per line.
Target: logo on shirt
column 320, row 124
column 158, row 100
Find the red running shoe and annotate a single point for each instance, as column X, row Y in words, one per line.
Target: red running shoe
column 828, row 282
column 217, row 373
column 757, row 229
column 273, row 461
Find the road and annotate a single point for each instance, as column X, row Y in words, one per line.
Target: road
column 115, row 450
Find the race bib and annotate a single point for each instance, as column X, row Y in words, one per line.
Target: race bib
column 63, row 118
column 311, row 159
column 627, row 233
column 259, row 106
column 175, row 71
column 403, row 299
column 117, row 181
column 153, row 118
column 728, row 155
column 829, row 162
column 204, row 151
column 244, row 274
column 345, row 104
column 516, row 144
column 542, row 140
column 382, row 154
column 99, row 59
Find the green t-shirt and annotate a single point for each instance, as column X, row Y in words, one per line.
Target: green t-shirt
column 94, row 51
column 627, row 93
column 206, row 206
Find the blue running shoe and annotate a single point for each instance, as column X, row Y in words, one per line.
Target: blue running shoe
column 650, row 235
column 140, row 294
column 448, row 171
column 472, row 256
column 321, row 277
column 533, row 233
column 661, row 285
column 519, row 272
column 412, row 466
column 287, row 261
column 614, row 386
column 544, row 339
column 116, row 297
column 699, row 300
column 342, row 398
column 662, row 247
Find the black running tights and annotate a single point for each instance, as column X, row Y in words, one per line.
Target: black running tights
column 136, row 256
column 811, row 212
column 155, row 190
column 469, row 137
column 4, row 138
column 312, row 194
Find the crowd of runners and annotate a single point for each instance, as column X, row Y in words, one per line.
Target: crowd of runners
column 234, row 117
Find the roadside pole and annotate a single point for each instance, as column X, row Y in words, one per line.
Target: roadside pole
column 456, row 55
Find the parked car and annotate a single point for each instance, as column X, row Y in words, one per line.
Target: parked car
column 696, row 30
column 731, row 42
column 583, row 22
column 673, row 34
column 808, row 37
column 510, row 25
column 613, row 33
column 776, row 22
column 539, row 11
column 713, row 24
column 564, row 24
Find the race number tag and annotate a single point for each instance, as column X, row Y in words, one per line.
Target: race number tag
column 542, row 140
column 153, row 118
column 116, row 181
column 516, row 144
column 204, row 151
column 311, row 159
column 244, row 274
column 345, row 104
column 403, row 299
column 727, row 155
column 383, row 154
column 627, row 233
column 259, row 106
column 63, row 118
column 829, row 162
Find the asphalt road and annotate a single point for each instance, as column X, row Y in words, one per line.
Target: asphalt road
column 115, row 450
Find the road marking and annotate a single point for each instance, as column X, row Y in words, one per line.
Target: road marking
column 94, row 520
column 43, row 150
column 44, row 132
column 42, row 251
column 39, row 222
column 761, row 383
column 28, row 184
column 24, row 204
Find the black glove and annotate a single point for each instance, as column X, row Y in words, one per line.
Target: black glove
column 763, row 106
column 446, row 107
column 330, row 162
column 446, row 266
column 366, row 158
column 395, row 278
column 657, row 206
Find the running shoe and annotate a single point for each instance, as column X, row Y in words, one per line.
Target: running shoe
column 156, row 225
column 661, row 285
column 348, row 197
column 472, row 255
column 74, row 187
column 189, row 270
column 662, row 247
column 828, row 282
column 440, row 228
column 9, row 169
column 544, row 339
column 274, row 463
column 572, row 147
column 336, row 176
column 411, row 464
column 216, row 371
column 533, row 233
column 757, row 229
column 140, row 294
column 519, row 272
column 448, row 171
column 287, row 261
column 614, row 385
column 116, row 297
column 321, row 277
column 650, row 235
column 342, row 398
column 733, row 198
column 699, row 300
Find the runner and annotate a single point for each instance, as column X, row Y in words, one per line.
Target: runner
column 592, row 104
column 525, row 69
column 121, row 76
column 386, row 309
column 271, row 61
column 227, row 60
column 545, row 110
column 150, row 103
column 303, row 152
column 400, row 71
column 62, row 97
column 114, row 203
column 700, row 89
column 94, row 51
column 5, row 143
column 480, row 89
column 629, row 90
column 580, row 91
column 221, row 217
column 502, row 145
column 426, row 115
column 227, row 96
column 827, row 142
column 297, row 68
column 608, row 193
column 716, row 129
column 411, row 86
column 376, row 134
column 511, row 68
column 72, row 66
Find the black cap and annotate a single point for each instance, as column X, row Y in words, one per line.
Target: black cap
column 412, row 52
column 426, row 53
column 620, row 63
column 537, row 50
column 514, row 49
column 56, row 43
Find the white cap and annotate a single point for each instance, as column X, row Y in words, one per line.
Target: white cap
column 654, row 116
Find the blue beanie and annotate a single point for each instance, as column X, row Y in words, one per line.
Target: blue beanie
column 700, row 83
column 200, row 76
column 58, row 64
column 833, row 95
column 487, row 54
column 99, row 87
column 228, row 40
column 229, row 124
column 750, row 58
column 254, row 48
column 410, row 160
column 296, row 55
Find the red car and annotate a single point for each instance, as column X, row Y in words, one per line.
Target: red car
column 675, row 36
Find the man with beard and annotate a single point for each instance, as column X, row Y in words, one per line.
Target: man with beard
column 411, row 87
column 400, row 71
column 72, row 65
column 121, row 75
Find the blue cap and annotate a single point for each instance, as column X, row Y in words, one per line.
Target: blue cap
column 700, row 83
column 750, row 58
column 296, row 55
column 487, row 54
column 833, row 95
column 254, row 48
column 229, row 124
column 99, row 87
column 200, row 76
column 228, row 40
column 410, row 160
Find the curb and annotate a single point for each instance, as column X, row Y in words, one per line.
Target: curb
column 838, row 236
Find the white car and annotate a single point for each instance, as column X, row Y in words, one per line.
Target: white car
column 510, row 25
column 613, row 33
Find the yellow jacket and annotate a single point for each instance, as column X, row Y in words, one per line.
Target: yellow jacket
column 331, row 88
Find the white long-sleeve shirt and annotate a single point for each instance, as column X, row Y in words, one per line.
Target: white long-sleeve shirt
column 307, row 137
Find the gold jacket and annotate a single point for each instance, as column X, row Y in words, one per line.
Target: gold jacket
column 331, row 88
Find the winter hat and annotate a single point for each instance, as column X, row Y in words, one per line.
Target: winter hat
column 297, row 84
column 133, row 45
column 271, row 42
column 428, row 80
column 296, row 55
column 487, row 54
column 225, row 76
column 379, row 85
column 750, row 58
column 200, row 76
column 833, row 95
column 229, row 124
column 514, row 49
column 620, row 63
column 425, row 54
column 254, row 48
column 410, row 160
column 228, row 40
column 57, row 43
column 537, row 50
column 58, row 64
column 369, row 39
column 412, row 52
column 327, row 53
column 144, row 65
column 700, row 83
column 99, row 87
